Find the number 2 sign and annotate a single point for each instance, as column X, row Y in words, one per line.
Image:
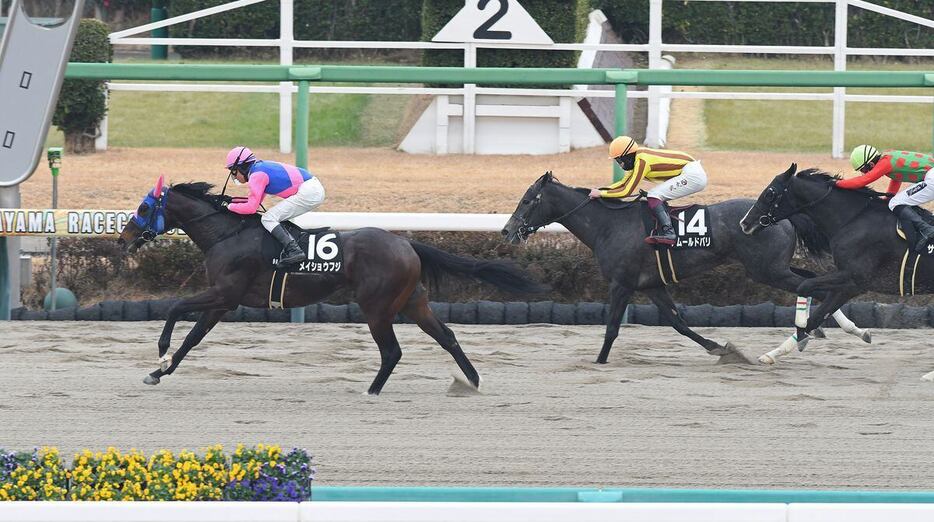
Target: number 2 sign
column 493, row 21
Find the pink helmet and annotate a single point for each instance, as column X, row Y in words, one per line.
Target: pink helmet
column 238, row 156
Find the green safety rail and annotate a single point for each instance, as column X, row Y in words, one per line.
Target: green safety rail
column 454, row 494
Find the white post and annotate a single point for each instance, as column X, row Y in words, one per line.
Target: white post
column 655, row 59
column 470, row 101
column 100, row 143
column 441, row 125
column 286, row 43
column 839, row 93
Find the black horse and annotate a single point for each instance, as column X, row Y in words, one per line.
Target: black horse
column 615, row 234
column 385, row 271
column 860, row 234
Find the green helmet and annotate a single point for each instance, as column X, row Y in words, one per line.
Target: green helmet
column 862, row 155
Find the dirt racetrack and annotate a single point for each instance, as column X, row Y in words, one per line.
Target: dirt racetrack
column 384, row 180
column 662, row 413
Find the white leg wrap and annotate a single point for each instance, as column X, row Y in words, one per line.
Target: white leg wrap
column 165, row 361
column 786, row 347
column 802, row 307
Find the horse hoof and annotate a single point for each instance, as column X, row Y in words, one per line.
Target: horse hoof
column 767, row 359
column 818, row 333
column 734, row 356
column 462, row 387
column 866, row 336
column 151, row 380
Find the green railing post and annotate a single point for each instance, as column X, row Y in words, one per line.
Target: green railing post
column 621, row 79
column 301, row 155
column 622, row 99
column 159, row 13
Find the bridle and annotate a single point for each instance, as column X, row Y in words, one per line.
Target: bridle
column 150, row 232
column 526, row 229
column 774, row 199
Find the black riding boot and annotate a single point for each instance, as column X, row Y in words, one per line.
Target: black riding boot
column 292, row 253
column 908, row 217
column 664, row 233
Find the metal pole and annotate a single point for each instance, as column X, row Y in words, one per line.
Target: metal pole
column 839, row 93
column 9, row 251
column 622, row 98
column 286, row 43
column 159, row 13
column 470, row 103
column 655, row 62
column 301, row 155
column 54, row 156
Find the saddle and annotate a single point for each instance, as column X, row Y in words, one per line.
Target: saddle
column 690, row 226
column 911, row 260
column 324, row 253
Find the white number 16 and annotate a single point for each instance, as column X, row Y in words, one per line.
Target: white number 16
column 325, row 249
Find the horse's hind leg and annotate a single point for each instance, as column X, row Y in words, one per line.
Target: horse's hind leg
column 389, row 350
column 668, row 309
column 418, row 310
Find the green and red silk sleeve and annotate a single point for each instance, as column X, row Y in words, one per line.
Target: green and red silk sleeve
column 881, row 169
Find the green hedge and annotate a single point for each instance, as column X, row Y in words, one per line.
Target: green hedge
column 385, row 20
column 82, row 104
column 558, row 18
column 741, row 23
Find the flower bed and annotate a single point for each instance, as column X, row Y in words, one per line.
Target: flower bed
column 259, row 473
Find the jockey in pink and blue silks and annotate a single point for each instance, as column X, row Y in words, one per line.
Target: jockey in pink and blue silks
column 301, row 192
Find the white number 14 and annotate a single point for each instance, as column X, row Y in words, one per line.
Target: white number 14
column 698, row 224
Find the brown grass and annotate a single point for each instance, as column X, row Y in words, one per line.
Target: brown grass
column 384, row 180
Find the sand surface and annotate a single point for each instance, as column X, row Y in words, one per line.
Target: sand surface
column 661, row 413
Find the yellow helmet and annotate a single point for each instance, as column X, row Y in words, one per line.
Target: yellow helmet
column 621, row 146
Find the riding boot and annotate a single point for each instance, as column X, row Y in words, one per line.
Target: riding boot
column 907, row 216
column 292, row 253
column 664, row 233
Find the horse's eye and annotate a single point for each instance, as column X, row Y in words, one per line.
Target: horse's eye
column 143, row 210
column 525, row 202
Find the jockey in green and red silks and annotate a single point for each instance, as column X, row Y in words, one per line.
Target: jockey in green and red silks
column 900, row 166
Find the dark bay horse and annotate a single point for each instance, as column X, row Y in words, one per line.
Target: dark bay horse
column 860, row 232
column 615, row 235
column 385, row 272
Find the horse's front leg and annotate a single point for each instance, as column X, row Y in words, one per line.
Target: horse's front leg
column 205, row 324
column 210, row 299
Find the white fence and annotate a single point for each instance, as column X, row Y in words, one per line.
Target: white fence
column 655, row 47
column 458, row 512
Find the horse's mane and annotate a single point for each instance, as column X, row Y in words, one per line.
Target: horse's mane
column 200, row 190
column 828, row 178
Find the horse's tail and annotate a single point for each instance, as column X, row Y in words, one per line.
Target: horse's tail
column 504, row 275
column 810, row 238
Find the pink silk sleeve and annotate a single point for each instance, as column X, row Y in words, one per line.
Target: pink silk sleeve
column 257, row 184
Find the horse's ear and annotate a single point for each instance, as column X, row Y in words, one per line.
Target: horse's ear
column 158, row 190
column 549, row 176
column 790, row 172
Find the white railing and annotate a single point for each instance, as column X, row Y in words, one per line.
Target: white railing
column 459, row 512
column 655, row 47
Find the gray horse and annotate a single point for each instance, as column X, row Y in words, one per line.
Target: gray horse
column 615, row 232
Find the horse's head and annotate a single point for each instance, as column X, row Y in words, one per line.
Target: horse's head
column 148, row 221
column 530, row 214
column 771, row 204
